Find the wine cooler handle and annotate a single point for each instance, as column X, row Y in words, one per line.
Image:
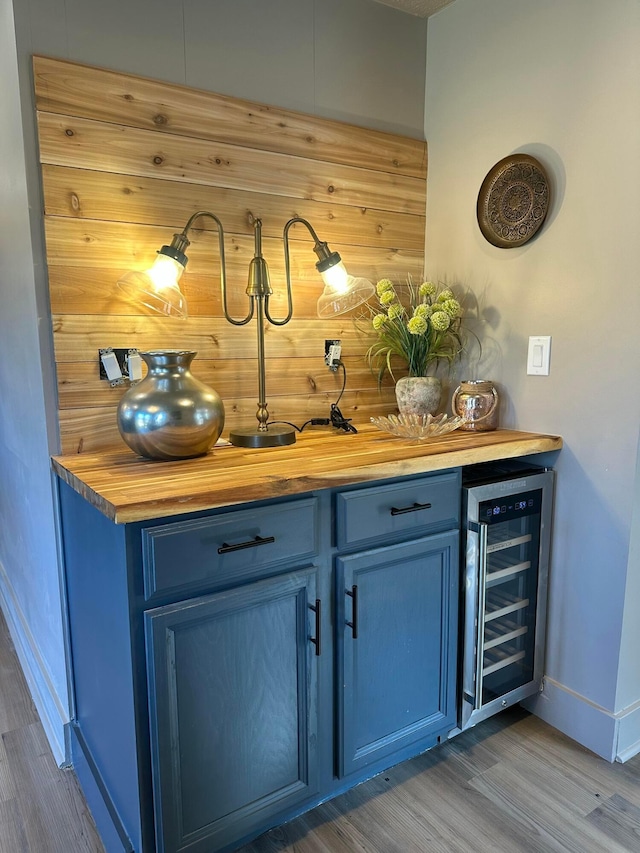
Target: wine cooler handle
column 483, row 530
column 353, row 594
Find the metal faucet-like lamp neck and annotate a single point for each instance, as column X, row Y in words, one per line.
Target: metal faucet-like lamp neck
column 259, row 290
column 258, row 270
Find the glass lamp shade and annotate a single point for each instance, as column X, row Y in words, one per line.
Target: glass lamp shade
column 342, row 292
column 157, row 287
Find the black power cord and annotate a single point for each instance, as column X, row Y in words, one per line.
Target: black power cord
column 336, row 419
column 339, row 421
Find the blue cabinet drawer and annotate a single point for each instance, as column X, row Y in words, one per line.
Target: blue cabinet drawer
column 208, row 553
column 423, row 505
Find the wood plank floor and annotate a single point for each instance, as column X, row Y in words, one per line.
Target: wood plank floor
column 511, row 785
column 42, row 809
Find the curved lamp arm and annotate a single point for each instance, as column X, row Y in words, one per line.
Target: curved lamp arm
column 326, row 261
column 326, row 258
column 287, row 268
column 180, row 242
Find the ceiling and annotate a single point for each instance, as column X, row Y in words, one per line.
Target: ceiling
column 421, row 8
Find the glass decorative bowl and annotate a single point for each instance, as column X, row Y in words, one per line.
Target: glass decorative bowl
column 418, row 427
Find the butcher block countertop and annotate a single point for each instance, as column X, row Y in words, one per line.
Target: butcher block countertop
column 127, row 488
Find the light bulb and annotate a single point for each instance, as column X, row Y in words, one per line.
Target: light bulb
column 336, row 277
column 165, row 272
column 158, row 287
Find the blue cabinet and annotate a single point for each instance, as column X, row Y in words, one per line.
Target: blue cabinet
column 233, row 704
column 397, row 613
column 211, row 716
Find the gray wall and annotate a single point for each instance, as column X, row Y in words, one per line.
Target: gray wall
column 343, row 59
column 29, row 581
column 351, row 60
column 629, row 671
column 560, row 81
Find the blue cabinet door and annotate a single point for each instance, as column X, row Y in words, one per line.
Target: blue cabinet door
column 397, row 675
column 233, row 710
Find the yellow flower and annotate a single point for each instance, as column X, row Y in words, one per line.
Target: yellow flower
column 452, row 307
column 378, row 321
column 423, row 310
column 384, row 285
column 445, row 294
column 387, row 297
column 395, row 311
column 427, row 288
column 440, row 321
column 417, row 325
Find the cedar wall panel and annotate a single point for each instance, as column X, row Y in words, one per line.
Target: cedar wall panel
column 126, row 161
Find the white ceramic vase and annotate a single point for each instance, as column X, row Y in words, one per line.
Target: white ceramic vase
column 418, row 395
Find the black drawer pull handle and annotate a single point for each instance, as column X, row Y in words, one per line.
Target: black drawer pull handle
column 318, row 637
column 402, row 510
column 225, row 548
column 353, row 594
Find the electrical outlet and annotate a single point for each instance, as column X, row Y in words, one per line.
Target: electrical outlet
column 332, row 351
column 114, row 363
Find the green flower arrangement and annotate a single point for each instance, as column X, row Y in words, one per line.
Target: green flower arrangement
column 420, row 325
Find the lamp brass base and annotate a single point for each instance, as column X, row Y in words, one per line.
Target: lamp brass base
column 277, row 435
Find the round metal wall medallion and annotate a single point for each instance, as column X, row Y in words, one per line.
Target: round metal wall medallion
column 513, row 201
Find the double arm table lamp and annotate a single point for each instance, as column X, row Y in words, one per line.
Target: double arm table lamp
column 158, row 288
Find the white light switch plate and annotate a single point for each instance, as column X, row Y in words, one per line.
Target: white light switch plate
column 539, row 355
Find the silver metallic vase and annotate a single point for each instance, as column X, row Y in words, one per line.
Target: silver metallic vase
column 170, row 414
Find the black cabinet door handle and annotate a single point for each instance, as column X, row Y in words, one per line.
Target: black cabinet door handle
column 317, row 639
column 353, row 594
column 225, row 548
column 414, row 508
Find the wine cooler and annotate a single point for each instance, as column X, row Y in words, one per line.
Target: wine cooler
column 507, row 510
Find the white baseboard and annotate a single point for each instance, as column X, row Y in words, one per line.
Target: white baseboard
column 628, row 740
column 53, row 714
column 615, row 737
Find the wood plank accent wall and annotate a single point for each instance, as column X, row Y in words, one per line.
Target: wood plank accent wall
column 125, row 162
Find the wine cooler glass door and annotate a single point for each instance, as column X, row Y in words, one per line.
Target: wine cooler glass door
column 508, row 612
column 504, row 587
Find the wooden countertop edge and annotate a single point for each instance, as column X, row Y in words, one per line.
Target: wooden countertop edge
column 112, row 481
